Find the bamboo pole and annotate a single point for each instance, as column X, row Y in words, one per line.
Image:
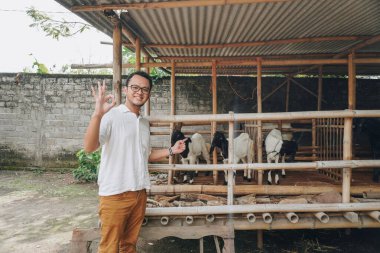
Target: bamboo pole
column 287, row 95
column 259, row 122
column 259, row 141
column 263, row 208
column 351, row 82
column 230, row 186
column 117, row 61
column 241, row 117
column 213, row 124
column 172, row 113
column 347, row 155
column 299, row 166
column 257, row 189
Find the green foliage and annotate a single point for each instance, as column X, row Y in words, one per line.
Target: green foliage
column 41, row 68
column 87, row 171
column 55, row 28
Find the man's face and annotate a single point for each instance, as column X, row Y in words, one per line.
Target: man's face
column 137, row 91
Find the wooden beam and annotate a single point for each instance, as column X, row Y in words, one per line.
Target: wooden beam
column 174, row 4
column 259, row 43
column 358, row 46
column 306, row 89
column 268, row 57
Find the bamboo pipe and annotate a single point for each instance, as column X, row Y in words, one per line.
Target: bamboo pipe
column 251, row 217
column 164, row 220
column 334, row 223
column 292, row 217
column 351, row 216
column 240, row 117
column 371, row 195
column 322, row 217
column 267, row 218
column 189, row 219
column 210, row 218
column 263, row 208
column 374, row 215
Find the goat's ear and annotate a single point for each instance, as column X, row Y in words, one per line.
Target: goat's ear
column 212, row 148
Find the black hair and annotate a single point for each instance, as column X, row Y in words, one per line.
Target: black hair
column 142, row 74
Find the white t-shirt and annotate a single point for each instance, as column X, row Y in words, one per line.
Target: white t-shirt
column 124, row 137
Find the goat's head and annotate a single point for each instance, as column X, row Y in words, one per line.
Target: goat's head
column 221, row 142
column 178, row 135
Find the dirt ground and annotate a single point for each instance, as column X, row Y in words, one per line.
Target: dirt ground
column 39, row 210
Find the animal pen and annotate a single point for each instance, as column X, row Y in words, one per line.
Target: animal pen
column 252, row 37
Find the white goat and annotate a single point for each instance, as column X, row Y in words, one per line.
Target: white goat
column 243, row 151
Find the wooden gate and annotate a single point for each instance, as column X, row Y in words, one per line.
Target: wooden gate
column 329, row 140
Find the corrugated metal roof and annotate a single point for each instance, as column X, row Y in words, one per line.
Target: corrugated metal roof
column 239, row 23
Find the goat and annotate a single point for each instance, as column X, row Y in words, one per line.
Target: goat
column 275, row 148
column 371, row 126
column 243, row 150
column 195, row 146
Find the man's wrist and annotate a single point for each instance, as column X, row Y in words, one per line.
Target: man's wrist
column 170, row 151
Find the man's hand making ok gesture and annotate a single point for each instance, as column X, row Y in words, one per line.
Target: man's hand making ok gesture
column 102, row 104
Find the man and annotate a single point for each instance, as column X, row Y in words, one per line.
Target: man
column 123, row 175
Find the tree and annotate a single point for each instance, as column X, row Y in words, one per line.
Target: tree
column 55, row 28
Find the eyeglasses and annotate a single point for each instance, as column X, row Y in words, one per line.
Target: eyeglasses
column 136, row 89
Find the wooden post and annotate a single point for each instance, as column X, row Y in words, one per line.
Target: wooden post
column 213, row 124
column 320, row 88
column 172, row 112
column 147, row 104
column 319, row 107
column 138, row 54
column 259, row 141
column 287, row 95
column 351, row 82
column 117, row 61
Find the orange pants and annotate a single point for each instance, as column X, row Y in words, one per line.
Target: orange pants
column 121, row 216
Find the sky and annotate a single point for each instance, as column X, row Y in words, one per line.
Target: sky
column 18, row 40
